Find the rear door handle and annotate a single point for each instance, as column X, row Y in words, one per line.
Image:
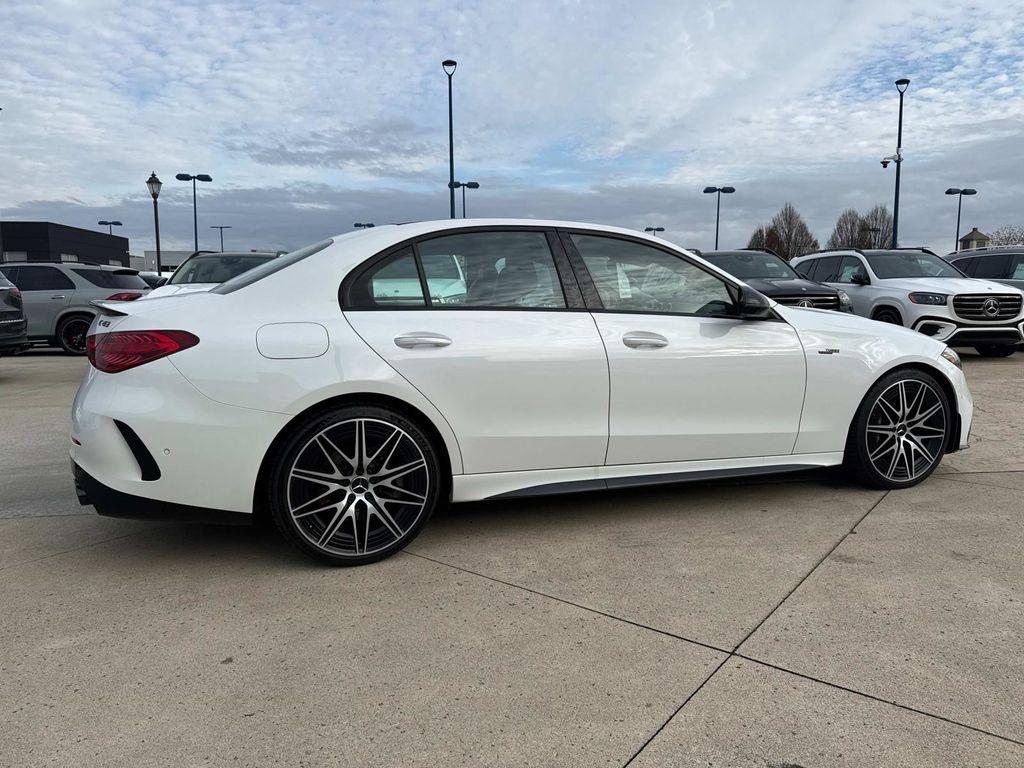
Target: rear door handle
column 644, row 340
column 58, row 297
column 414, row 340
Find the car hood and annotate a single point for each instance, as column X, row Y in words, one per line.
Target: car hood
column 947, row 285
column 173, row 290
column 817, row 324
column 771, row 286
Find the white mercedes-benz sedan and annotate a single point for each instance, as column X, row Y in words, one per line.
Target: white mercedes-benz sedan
column 351, row 387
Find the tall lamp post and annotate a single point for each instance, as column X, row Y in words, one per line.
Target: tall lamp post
column 221, row 228
column 453, row 185
column 718, row 205
column 154, row 184
column 654, row 230
column 195, row 216
column 959, row 203
column 449, row 65
column 901, row 85
column 109, row 225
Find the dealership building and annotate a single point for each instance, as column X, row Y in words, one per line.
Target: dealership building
column 46, row 241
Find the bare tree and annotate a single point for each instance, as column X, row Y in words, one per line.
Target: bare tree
column 1008, row 234
column 848, row 231
column 877, row 228
column 787, row 234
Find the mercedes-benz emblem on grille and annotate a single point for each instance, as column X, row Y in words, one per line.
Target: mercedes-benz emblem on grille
column 805, row 303
column 990, row 307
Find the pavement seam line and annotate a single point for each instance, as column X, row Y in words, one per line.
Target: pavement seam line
column 74, row 549
column 879, row 699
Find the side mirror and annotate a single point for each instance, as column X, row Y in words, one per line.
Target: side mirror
column 161, row 281
column 859, row 278
column 753, row 306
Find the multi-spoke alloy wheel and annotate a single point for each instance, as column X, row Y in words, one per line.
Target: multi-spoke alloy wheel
column 901, row 430
column 71, row 335
column 356, row 486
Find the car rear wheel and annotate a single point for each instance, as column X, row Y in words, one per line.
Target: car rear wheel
column 900, row 432
column 355, row 484
column 72, row 332
column 996, row 350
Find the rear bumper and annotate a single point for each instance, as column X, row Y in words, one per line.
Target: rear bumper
column 13, row 335
column 112, row 503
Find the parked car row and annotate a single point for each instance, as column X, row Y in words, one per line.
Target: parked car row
column 352, row 386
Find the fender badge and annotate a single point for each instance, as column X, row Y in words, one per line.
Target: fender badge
column 828, row 351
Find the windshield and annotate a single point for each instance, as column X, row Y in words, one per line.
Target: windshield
column 889, row 264
column 270, row 267
column 217, row 267
column 751, row 264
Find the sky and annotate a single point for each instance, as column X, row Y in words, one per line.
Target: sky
column 311, row 116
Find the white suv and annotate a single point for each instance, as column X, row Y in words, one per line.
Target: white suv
column 916, row 288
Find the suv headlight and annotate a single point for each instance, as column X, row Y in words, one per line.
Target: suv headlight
column 934, row 299
column 844, row 299
column 952, row 356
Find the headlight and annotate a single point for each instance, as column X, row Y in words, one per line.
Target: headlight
column 952, row 356
column 844, row 298
column 928, row 298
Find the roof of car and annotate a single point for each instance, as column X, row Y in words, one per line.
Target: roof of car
column 988, row 250
column 863, row 251
column 67, row 263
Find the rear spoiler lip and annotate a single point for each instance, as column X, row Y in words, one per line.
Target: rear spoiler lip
column 106, row 308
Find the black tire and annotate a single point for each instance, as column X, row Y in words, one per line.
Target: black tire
column 888, row 315
column 319, row 465
column 71, row 333
column 869, row 436
column 996, row 350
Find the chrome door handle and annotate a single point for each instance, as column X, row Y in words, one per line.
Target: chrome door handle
column 58, row 297
column 644, row 340
column 413, row 340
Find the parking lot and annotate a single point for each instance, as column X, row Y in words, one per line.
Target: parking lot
column 796, row 621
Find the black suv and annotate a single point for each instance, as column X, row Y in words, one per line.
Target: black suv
column 13, row 332
column 770, row 274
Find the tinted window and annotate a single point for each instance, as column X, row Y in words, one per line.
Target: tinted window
column 966, row 265
column 491, row 269
column 753, row 264
column 43, row 279
column 848, row 267
column 109, row 278
column 217, row 268
column 993, row 267
column 631, row 277
column 1016, row 270
column 11, row 273
column 4, row 282
column 890, row 264
column 827, row 269
column 270, row 267
column 393, row 283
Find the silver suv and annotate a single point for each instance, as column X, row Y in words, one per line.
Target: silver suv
column 56, row 297
column 1004, row 264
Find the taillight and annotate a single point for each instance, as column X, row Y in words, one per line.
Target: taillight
column 120, row 350
column 124, row 296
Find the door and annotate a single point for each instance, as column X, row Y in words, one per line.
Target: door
column 45, row 291
column 480, row 323
column 689, row 379
column 839, row 272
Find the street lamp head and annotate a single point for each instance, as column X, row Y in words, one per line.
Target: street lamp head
column 115, row 223
column 454, row 184
column 203, row 177
column 183, row 176
column 104, row 223
column 710, row 190
column 728, row 190
column 654, row 229
column 154, row 184
column 902, row 84
column 969, row 192
column 953, row 191
column 449, row 66
column 472, row 185
column 221, row 226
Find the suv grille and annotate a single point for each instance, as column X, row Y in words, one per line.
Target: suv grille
column 987, row 306
column 818, row 302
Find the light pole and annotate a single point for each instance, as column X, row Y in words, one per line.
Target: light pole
column 109, row 225
column 195, row 216
column 901, row 85
column 718, row 204
column 154, row 184
column 221, row 228
column 654, row 230
column 959, row 202
column 449, row 65
column 362, row 225
column 453, row 185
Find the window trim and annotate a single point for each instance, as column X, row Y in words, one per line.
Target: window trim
column 572, row 298
column 593, row 298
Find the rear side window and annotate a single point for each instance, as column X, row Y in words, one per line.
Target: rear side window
column 112, row 278
column 43, row 279
column 827, row 270
column 391, row 284
column 992, row 267
column 268, row 268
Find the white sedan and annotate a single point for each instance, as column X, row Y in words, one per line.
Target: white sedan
column 351, row 387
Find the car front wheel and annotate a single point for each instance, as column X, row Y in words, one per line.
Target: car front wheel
column 901, row 429
column 355, row 484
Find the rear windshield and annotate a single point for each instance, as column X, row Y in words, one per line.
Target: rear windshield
column 270, row 267
column 112, row 278
column 217, row 268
